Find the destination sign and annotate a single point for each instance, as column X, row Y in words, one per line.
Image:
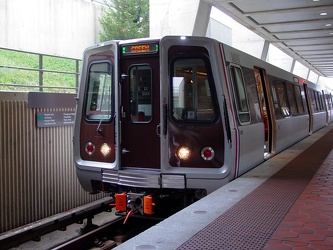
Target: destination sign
column 55, row 119
column 139, row 49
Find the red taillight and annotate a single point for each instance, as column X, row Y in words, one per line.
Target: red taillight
column 207, row 153
column 90, row 148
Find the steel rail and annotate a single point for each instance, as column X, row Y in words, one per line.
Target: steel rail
column 83, row 241
column 35, row 230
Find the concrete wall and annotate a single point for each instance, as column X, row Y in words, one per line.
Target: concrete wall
column 57, row 27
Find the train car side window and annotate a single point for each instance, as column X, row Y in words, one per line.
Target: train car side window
column 192, row 100
column 277, row 110
column 291, row 99
column 299, row 101
column 140, row 93
column 329, row 101
column 281, row 93
column 240, row 95
column 320, row 99
column 99, row 92
column 317, row 101
column 317, row 98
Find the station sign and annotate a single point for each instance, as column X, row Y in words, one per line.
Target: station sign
column 55, row 119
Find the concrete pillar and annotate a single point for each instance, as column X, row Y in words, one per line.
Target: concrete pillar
column 174, row 17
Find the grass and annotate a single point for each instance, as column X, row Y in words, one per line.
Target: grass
column 26, row 72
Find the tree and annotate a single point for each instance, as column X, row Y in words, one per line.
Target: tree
column 125, row 19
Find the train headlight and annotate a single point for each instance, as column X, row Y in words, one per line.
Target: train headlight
column 90, row 148
column 105, row 149
column 183, row 153
column 207, row 153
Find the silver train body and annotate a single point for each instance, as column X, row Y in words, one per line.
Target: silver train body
column 184, row 114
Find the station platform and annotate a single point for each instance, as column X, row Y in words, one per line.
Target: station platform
column 284, row 203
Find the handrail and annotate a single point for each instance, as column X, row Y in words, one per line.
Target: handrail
column 42, row 70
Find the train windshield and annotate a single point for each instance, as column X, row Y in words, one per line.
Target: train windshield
column 99, row 92
column 191, row 92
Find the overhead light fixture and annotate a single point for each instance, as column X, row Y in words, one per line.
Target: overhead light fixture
column 328, row 25
column 323, row 13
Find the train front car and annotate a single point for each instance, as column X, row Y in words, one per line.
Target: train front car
column 150, row 122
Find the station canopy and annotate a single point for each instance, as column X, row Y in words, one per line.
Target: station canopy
column 303, row 29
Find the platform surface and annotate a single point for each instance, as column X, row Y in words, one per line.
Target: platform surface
column 284, row 203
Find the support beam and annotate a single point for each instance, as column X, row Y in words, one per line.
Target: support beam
column 293, row 66
column 265, row 50
column 174, row 17
column 202, row 19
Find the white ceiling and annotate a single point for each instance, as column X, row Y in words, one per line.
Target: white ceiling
column 295, row 26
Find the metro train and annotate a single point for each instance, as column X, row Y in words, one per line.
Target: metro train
column 181, row 116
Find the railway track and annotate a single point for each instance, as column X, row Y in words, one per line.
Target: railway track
column 37, row 230
column 109, row 235
column 51, row 233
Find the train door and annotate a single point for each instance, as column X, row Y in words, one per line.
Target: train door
column 139, row 106
column 266, row 111
column 95, row 142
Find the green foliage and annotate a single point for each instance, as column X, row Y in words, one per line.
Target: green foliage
column 125, row 19
column 25, row 72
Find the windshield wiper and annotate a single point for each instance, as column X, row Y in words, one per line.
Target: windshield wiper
column 106, row 113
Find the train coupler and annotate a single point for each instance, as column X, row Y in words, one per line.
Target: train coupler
column 134, row 202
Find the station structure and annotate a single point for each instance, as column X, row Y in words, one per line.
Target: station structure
column 301, row 30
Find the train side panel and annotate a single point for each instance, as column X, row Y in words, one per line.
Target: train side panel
column 291, row 130
column 285, row 107
column 329, row 106
column 248, row 121
column 316, row 106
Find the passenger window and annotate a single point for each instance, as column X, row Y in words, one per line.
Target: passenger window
column 140, row 93
column 291, row 99
column 240, row 95
column 299, row 100
column 99, row 90
column 192, row 100
column 320, row 99
column 317, row 99
column 281, row 93
column 313, row 100
column 329, row 101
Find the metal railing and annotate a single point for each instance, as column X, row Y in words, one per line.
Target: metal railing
column 41, row 71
